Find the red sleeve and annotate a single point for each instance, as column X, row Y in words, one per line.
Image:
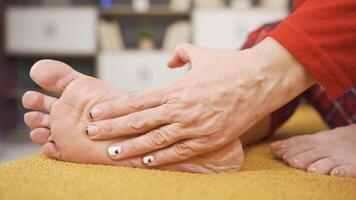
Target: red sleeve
column 321, row 35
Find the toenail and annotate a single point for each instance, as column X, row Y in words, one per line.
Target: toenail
column 91, row 130
column 95, row 113
column 277, row 144
column 339, row 172
column 114, row 150
column 148, row 159
column 296, row 161
column 285, row 156
column 311, row 169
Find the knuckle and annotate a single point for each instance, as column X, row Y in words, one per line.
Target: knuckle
column 188, row 103
column 215, row 139
column 136, row 123
column 158, row 138
column 113, row 108
column 136, row 101
column 108, row 128
column 169, row 113
column 203, row 143
column 182, row 149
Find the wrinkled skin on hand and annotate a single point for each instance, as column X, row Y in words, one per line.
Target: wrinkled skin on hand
column 223, row 95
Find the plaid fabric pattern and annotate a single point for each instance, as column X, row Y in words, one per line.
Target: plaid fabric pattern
column 340, row 112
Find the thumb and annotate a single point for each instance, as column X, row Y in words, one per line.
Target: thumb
column 183, row 54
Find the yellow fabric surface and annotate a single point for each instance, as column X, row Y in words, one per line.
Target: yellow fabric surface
column 262, row 177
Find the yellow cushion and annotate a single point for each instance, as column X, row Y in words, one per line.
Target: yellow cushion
column 262, row 177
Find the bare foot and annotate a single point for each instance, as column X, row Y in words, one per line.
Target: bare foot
column 329, row 152
column 59, row 124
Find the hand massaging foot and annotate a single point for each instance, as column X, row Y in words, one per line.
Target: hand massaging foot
column 59, row 124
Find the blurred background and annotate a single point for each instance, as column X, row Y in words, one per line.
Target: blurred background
column 124, row 42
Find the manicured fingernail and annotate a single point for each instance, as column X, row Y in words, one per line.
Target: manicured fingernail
column 148, row 159
column 91, row 130
column 95, row 113
column 114, row 150
column 339, row 172
column 277, row 145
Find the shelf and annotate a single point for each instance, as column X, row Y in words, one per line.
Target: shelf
column 156, row 10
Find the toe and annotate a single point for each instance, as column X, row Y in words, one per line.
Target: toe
column 297, row 140
column 51, row 150
column 323, row 166
column 292, row 151
column 299, row 143
column 277, row 148
column 40, row 135
column 278, row 153
column 36, row 120
column 53, row 75
column 303, row 160
column 296, row 145
column 37, row 101
column 344, row 171
column 292, row 146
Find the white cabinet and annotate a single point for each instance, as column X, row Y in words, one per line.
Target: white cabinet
column 133, row 71
column 228, row 28
column 51, row 30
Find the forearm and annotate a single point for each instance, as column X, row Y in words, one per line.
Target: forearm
column 321, row 36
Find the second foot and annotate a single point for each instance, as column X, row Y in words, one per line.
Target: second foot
column 331, row 152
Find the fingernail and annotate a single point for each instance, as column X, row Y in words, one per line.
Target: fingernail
column 114, row 150
column 148, row 159
column 277, row 145
column 95, row 113
column 339, row 172
column 91, row 130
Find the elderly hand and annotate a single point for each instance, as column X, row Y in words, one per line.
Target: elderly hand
column 223, row 95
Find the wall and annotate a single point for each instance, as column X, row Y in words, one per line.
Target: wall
column 7, row 80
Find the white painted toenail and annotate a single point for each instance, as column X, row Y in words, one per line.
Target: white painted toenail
column 339, row 172
column 148, row 159
column 114, row 150
column 91, row 130
column 95, row 113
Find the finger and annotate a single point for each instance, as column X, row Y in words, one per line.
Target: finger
column 132, row 103
column 228, row 158
column 183, row 54
column 180, row 151
column 151, row 141
column 135, row 123
column 40, row 135
column 37, row 101
column 36, row 119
